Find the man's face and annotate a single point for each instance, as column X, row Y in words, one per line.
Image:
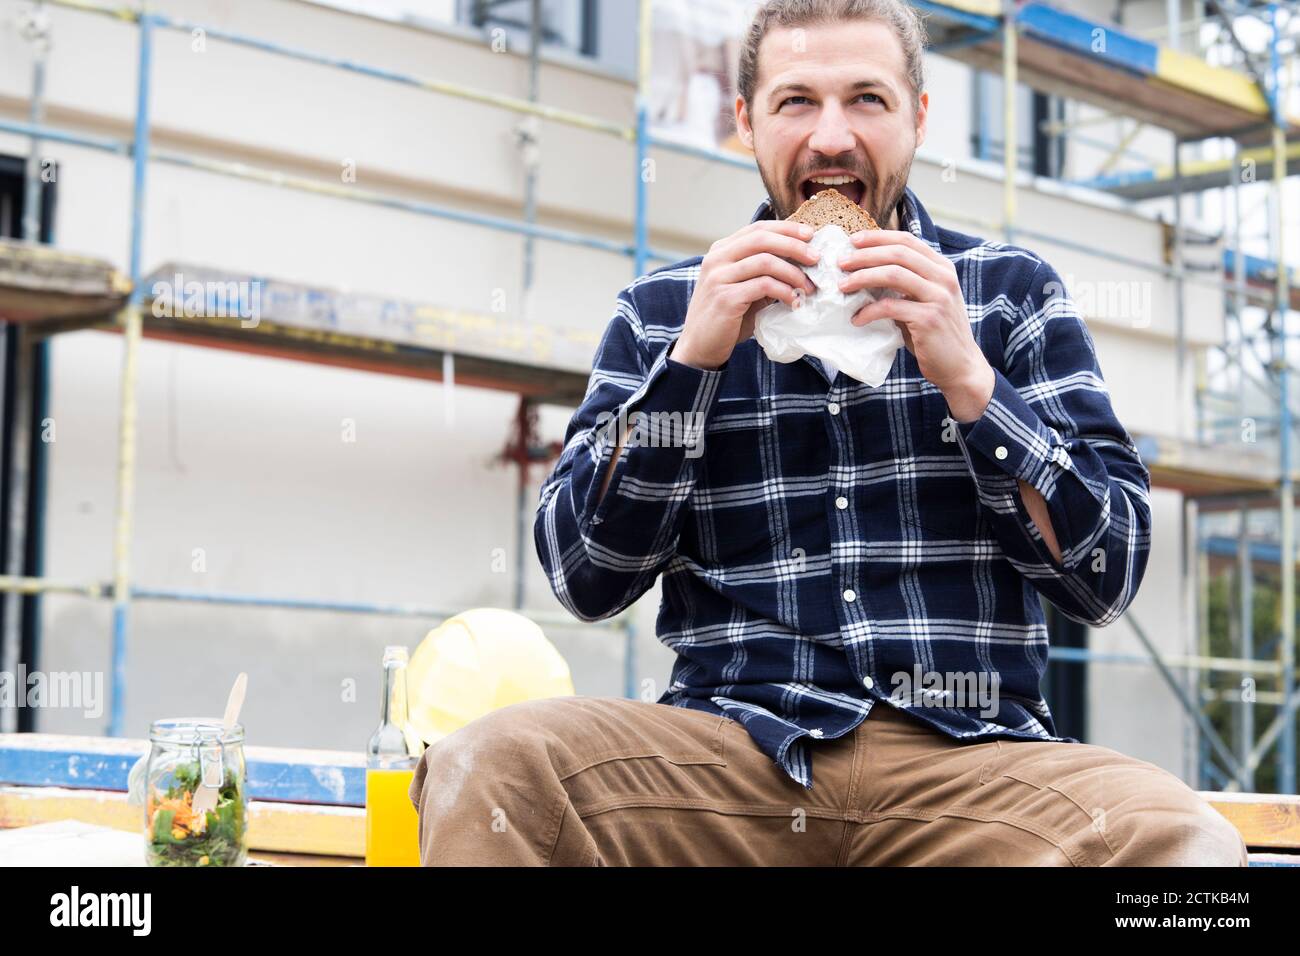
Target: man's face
column 833, row 98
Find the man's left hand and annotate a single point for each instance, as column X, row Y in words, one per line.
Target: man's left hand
column 931, row 315
column 935, row 329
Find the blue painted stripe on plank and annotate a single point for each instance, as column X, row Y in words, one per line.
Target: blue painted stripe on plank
column 969, row 39
column 1258, row 269
column 338, row 785
column 941, row 11
column 1102, row 41
column 327, row 784
column 1115, row 180
column 1221, row 546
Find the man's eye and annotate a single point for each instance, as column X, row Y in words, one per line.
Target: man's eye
column 874, row 97
column 791, row 99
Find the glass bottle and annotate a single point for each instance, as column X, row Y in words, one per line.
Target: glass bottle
column 394, row 749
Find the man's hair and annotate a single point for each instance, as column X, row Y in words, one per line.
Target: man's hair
column 898, row 15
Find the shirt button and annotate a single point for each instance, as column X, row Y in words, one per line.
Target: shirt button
column 1000, row 452
column 841, row 502
column 849, row 595
column 868, row 683
column 833, row 408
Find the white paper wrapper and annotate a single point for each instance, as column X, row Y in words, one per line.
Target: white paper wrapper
column 822, row 326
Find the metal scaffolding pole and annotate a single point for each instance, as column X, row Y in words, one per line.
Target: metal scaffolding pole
column 644, row 171
column 1180, row 294
column 130, row 320
column 1286, row 754
column 1246, row 648
column 527, row 132
column 1010, row 146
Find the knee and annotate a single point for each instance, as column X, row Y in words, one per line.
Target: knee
column 1192, row 834
column 486, row 736
column 516, row 731
column 504, row 745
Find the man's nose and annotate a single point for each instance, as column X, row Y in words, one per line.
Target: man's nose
column 833, row 134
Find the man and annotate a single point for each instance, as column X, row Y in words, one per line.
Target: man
column 851, row 575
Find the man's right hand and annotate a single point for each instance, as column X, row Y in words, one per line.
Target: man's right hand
column 739, row 276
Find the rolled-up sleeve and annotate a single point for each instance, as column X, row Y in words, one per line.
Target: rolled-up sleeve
column 1050, row 424
column 602, row 553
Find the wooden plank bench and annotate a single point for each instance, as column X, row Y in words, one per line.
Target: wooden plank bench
column 304, row 833
column 1268, row 822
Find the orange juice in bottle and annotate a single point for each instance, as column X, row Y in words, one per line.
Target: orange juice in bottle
column 392, row 827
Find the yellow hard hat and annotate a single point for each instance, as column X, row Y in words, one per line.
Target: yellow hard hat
column 476, row 662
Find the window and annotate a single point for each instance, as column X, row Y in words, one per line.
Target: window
column 600, row 30
column 567, row 24
column 1038, row 152
column 13, row 194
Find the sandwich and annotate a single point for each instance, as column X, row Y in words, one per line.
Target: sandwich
column 832, row 206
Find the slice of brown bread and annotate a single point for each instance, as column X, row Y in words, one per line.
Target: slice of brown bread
column 832, row 206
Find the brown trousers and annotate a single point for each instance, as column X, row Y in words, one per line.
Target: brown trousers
column 603, row 781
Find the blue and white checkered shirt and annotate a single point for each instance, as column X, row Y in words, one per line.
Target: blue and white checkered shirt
column 828, row 545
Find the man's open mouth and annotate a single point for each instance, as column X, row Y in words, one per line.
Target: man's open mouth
column 849, row 186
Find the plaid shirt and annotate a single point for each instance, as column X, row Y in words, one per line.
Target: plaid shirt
column 828, row 545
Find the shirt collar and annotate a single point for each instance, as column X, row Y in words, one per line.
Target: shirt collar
column 913, row 215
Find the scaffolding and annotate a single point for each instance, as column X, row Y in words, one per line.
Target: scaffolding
column 1047, row 48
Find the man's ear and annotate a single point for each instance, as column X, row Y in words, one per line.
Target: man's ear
column 743, row 129
column 922, row 112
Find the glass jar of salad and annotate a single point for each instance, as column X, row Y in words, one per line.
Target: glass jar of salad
column 186, row 753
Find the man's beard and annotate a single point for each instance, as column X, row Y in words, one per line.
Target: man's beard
column 878, row 202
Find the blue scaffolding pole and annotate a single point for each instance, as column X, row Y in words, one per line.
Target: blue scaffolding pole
column 1287, row 746
column 131, row 328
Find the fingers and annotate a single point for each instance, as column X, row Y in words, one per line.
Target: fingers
column 747, row 323
column 800, row 230
column 902, row 311
column 749, row 292
column 788, row 240
column 939, row 272
column 765, row 263
column 899, row 278
column 888, row 246
column 869, row 238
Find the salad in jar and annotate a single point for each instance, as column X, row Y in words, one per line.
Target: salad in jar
column 178, row 834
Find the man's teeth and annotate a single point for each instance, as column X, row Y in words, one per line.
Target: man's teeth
column 833, row 180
